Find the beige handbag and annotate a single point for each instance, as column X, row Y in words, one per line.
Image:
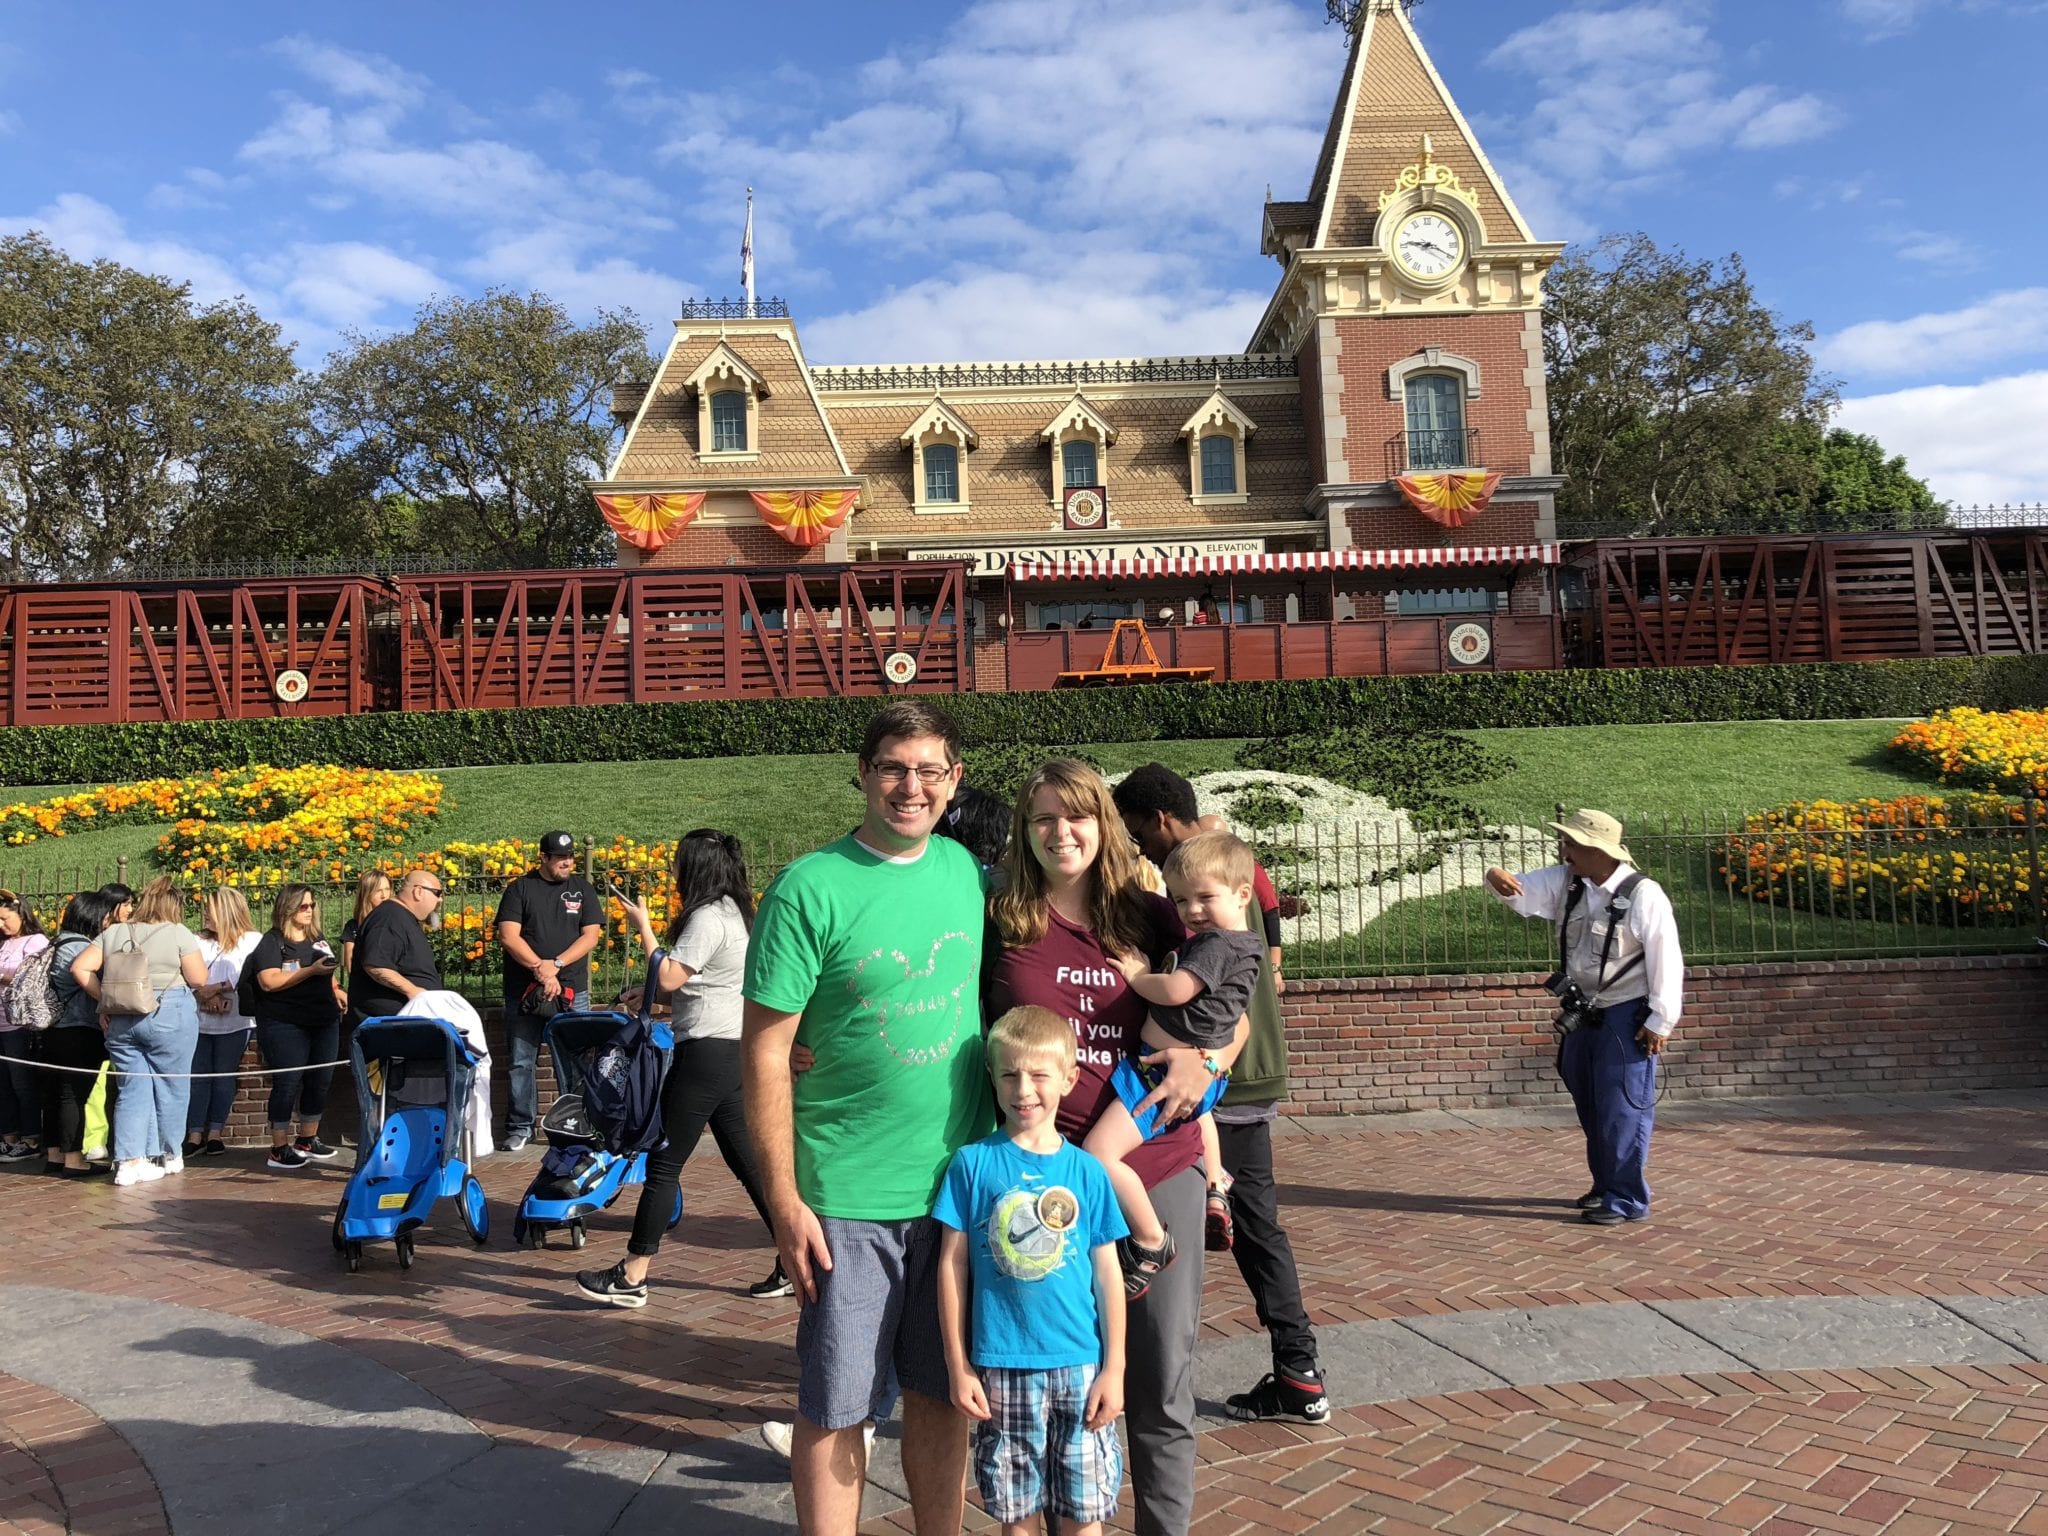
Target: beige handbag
column 124, row 979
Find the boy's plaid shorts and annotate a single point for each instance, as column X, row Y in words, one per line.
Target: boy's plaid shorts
column 1034, row 1453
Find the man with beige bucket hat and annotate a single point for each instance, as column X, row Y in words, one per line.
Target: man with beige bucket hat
column 1619, row 984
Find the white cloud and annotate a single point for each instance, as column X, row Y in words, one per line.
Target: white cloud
column 1974, row 444
column 1627, row 94
column 1033, row 142
column 1109, row 307
column 356, row 76
column 346, row 283
column 1933, row 248
column 88, row 230
column 1881, row 19
column 2006, row 325
column 1884, row 18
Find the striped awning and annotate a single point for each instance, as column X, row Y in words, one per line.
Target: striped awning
column 1282, row 564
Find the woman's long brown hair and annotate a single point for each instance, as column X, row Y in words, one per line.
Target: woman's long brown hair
column 1117, row 902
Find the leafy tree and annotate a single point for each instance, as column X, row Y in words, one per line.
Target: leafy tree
column 1678, row 402
column 1841, row 481
column 135, row 426
column 480, row 427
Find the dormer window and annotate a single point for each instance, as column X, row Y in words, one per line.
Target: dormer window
column 1219, row 465
column 941, row 472
column 728, row 394
column 1216, row 436
column 939, row 442
column 1079, row 440
column 729, row 422
column 1077, row 460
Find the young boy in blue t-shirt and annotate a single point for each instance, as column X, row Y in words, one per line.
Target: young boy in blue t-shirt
column 1029, row 1252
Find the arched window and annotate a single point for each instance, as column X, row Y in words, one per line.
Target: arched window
column 729, row 422
column 1219, row 464
column 1436, row 421
column 941, row 472
column 1077, row 458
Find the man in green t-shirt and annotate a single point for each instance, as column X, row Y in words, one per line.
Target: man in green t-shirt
column 868, row 953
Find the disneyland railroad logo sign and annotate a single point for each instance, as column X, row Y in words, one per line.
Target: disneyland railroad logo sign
column 995, row 560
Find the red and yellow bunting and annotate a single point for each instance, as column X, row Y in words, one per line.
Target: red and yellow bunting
column 1452, row 500
column 805, row 518
column 648, row 522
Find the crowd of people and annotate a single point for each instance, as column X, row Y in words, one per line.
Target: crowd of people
column 992, row 1092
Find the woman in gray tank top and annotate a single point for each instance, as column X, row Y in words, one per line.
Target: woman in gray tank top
column 702, row 962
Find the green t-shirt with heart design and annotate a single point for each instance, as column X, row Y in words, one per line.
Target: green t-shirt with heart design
column 882, row 958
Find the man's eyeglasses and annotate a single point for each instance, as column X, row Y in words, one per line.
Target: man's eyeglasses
column 930, row 775
column 435, row 891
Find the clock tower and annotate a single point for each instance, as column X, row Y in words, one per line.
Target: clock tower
column 1411, row 298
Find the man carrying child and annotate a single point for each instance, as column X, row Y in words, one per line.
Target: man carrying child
column 1031, row 1299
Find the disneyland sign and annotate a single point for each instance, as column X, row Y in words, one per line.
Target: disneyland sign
column 995, row 560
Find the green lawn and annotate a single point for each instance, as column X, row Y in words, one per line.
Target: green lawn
column 783, row 806
column 1678, row 786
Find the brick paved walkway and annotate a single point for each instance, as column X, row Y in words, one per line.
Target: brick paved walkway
column 1428, row 1218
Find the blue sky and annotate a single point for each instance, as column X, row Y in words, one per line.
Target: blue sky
column 1046, row 178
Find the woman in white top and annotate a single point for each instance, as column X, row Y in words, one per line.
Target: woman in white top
column 700, row 972
column 21, row 938
column 225, row 941
column 152, row 1051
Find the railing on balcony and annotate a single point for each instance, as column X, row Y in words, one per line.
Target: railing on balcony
column 1425, row 450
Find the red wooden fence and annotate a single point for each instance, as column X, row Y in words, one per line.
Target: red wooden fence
column 72, row 655
column 1732, row 601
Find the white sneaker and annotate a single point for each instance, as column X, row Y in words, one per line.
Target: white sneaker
column 141, row 1171
column 174, row 1162
column 781, row 1434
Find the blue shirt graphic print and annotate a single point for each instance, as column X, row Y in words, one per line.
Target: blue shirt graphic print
column 1033, row 1221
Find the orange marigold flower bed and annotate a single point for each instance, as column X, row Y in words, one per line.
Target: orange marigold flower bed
column 2004, row 751
column 1955, row 861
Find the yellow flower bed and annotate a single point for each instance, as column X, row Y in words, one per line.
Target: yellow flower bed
column 1917, row 859
column 2006, row 751
column 249, row 826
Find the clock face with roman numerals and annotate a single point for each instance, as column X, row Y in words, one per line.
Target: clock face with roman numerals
column 1428, row 245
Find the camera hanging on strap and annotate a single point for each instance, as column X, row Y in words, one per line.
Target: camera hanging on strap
column 1575, row 1009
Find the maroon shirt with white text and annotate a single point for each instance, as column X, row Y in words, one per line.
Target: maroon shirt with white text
column 1068, row 972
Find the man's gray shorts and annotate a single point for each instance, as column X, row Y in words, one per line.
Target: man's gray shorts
column 875, row 1323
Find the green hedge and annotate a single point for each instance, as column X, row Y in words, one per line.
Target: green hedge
column 80, row 754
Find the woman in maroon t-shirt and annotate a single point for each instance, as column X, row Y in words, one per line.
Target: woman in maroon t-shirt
column 1071, row 903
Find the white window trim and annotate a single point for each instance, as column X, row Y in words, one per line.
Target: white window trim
column 939, row 424
column 1431, row 360
column 1217, row 417
column 1077, row 418
column 720, row 370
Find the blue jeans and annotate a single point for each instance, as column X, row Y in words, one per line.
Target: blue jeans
column 1613, row 1084
column 522, row 1094
column 149, row 1115
column 212, row 1098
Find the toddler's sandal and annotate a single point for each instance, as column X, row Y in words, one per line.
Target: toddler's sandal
column 1142, row 1266
column 1219, row 1230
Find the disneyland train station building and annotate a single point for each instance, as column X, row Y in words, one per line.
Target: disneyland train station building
column 1378, row 453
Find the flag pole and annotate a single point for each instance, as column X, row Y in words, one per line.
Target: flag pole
column 747, row 255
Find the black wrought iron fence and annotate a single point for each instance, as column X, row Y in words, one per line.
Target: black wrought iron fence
column 1394, row 898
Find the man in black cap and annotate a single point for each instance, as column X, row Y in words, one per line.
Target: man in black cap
column 548, row 923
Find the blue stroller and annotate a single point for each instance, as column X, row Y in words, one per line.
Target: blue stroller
column 413, row 1081
column 578, row 1176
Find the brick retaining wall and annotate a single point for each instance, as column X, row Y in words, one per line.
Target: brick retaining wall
column 1376, row 1045
column 1381, row 1044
